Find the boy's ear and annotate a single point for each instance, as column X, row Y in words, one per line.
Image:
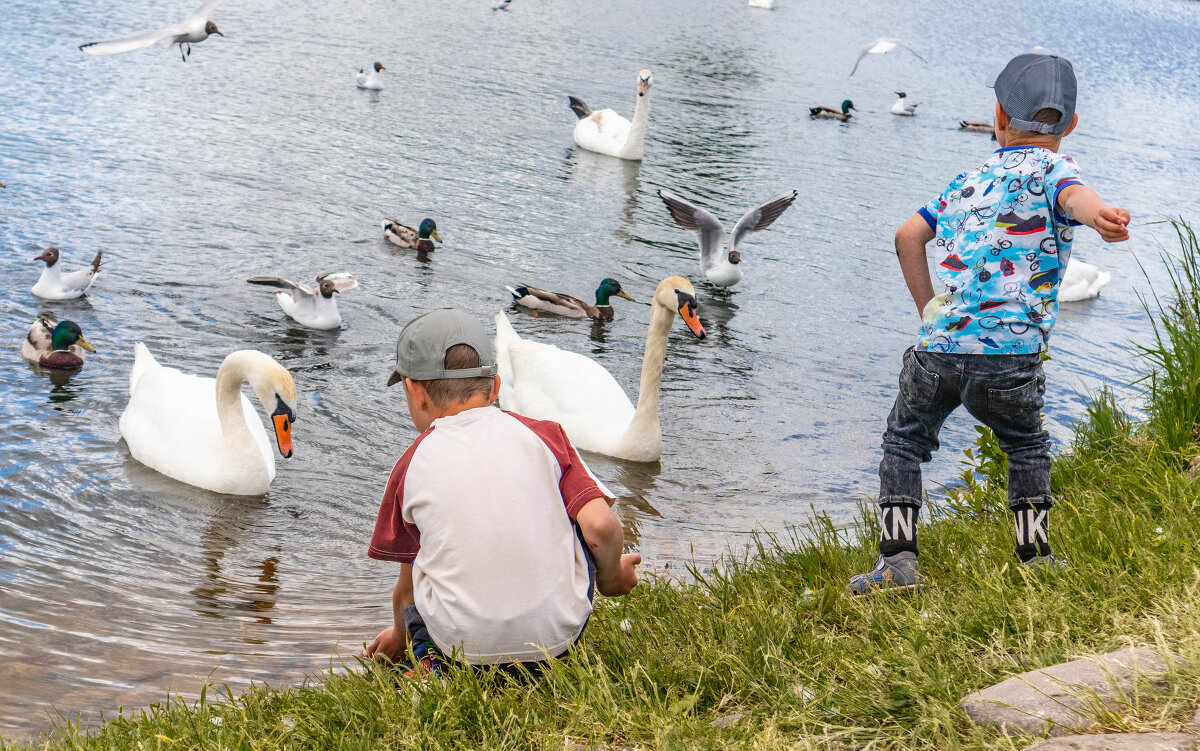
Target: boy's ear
column 1001, row 118
column 1071, row 127
column 495, row 390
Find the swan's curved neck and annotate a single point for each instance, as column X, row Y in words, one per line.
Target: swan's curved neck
column 637, row 129
column 645, row 417
column 233, row 371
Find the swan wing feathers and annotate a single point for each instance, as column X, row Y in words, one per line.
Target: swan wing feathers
column 709, row 231
column 605, row 132
column 760, row 217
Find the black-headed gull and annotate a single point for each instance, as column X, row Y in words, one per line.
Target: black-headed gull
column 56, row 284
column 192, row 30
column 902, row 106
column 314, row 308
column 882, row 46
column 373, row 80
column 721, row 267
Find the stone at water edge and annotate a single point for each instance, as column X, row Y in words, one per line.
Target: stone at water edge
column 1055, row 700
column 1118, row 742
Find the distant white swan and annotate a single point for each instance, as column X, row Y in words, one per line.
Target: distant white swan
column 56, row 284
column 204, row 432
column 373, row 81
column 314, row 308
column 721, row 265
column 606, row 132
column 1082, row 281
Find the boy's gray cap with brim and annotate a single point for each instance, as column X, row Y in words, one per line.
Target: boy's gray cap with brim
column 422, row 344
column 1035, row 81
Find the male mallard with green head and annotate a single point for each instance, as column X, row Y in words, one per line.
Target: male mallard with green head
column 829, row 113
column 59, row 346
column 571, row 307
column 407, row 237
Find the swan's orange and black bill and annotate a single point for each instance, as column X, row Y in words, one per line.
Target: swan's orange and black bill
column 282, row 419
column 688, row 311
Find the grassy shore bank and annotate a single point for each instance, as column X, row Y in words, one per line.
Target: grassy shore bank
column 771, row 654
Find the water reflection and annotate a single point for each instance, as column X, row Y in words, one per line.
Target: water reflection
column 225, row 590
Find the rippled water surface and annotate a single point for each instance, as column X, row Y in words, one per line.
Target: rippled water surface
column 259, row 156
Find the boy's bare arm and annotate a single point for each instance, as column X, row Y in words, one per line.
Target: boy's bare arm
column 615, row 573
column 1084, row 205
column 392, row 640
column 911, row 239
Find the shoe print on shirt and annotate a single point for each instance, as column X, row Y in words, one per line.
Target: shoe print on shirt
column 1044, row 279
column 1030, row 226
column 1006, row 267
column 953, row 262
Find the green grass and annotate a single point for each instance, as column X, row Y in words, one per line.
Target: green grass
column 775, row 639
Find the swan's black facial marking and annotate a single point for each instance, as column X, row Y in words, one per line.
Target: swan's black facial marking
column 282, row 419
column 688, row 310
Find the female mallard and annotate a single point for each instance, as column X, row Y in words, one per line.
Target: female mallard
column 978, row 127
column 407, row 237
column 58, row 346
column 829, row 113
column 571, row 307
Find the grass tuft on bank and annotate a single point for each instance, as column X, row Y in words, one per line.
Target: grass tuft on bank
column 769, row 652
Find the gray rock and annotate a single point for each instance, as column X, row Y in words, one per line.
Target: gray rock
column 1118, row 742
column 1057, row 700
column 725, row 721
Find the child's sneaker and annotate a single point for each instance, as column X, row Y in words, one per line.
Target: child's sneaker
column 1044, row 563
column 891, row 573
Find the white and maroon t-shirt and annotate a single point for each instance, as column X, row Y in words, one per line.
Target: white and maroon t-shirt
column 482, row 506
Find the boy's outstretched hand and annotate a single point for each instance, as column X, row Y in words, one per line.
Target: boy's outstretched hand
column 1112, row 224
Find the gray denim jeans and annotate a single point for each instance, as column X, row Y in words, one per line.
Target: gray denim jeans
column 1004, row 392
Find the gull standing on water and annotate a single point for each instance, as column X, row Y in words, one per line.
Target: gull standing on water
column 721, row 267
column 883, row 46
column 372, row 80
column 902, row 107
column 192, row 30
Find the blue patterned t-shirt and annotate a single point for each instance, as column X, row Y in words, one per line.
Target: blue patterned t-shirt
column 1001, row 246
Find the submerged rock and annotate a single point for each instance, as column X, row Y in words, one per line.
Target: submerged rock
column 1118, row 742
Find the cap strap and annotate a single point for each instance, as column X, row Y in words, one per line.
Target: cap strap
column 1032, row 125
column 480, row 372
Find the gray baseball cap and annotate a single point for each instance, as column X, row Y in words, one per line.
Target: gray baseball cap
column 422, row 344
column 1032, row 82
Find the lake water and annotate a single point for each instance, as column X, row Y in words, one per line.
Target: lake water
column 259, row 156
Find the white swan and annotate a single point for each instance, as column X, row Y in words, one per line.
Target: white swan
column 768, row 4
column 56, row 284
column 606, row 132
column 719, row 266
column 1081, row 281
column 372, row 81
column 902, row 107
column 314, row 308
column 546, row 383
column 203, row 431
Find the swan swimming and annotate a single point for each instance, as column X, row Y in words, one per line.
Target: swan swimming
column 721, row 265
column 204, row 431
column 606, row 132
column 1081, row 281
column 547, row 383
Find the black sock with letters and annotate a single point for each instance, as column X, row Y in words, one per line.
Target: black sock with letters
column 898, row 528
column 1033, row 529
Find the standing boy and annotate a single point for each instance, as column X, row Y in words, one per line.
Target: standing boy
column 500, row 530
column 1003, row 233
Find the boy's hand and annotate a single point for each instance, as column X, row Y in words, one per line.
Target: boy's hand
column 387, row 646
column 623, row 579
column 1112, row 224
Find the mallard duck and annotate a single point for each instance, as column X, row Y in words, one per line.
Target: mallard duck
column 373, row 80
column 977, row 127
column 829, row 113
column 571, row 307
column 546, row 383
column 60, row 346
column 205, row 432
column 721, row 264
column 407, row 237
column 314, row 308
column 882, row 46
column 606, row 132
column 902, row 107
column 56, row 284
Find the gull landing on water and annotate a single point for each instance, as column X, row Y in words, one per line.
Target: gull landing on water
column 192, row 30
column 902, row 106
column 721, row 267
column 882, row 46
column 314, row 308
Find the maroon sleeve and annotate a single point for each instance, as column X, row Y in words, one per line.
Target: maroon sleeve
column 577, row 484
column 395, row 539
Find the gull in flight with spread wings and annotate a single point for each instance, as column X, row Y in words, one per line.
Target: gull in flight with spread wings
column 882, row 46
column 192, row 30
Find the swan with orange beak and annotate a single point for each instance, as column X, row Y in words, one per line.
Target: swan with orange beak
column 547, row 383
